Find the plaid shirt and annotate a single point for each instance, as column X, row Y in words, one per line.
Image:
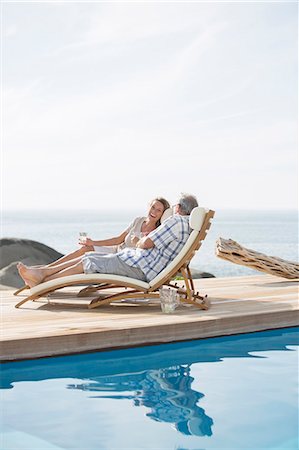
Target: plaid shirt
column 168, row 238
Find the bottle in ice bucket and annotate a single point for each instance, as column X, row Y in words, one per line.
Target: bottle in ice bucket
column 169, row 299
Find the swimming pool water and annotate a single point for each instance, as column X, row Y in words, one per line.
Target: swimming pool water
column 222, row 393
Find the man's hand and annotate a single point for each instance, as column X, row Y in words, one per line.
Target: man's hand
column 145, row 243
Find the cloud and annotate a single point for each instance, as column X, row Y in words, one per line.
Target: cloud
column 129, row 23
column 150, row 99
column 9, row 31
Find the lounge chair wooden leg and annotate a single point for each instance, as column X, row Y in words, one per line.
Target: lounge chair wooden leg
column 88, row 290
column 202, row 302
column 187, row 283
column 130, row 295
column 190, row 277
column 21, row 289
column 192, row 297
column 31, row 297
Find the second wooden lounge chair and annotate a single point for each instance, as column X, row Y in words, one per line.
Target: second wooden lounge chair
column 129, row 288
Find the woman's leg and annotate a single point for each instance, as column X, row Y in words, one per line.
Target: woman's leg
column 35, row 275
column 70, row 256
column 72, row 270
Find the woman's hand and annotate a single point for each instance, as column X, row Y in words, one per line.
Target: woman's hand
column 88, row 243
column 134, row 239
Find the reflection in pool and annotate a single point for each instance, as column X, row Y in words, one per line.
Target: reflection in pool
column 166, row 392
column 225, row 392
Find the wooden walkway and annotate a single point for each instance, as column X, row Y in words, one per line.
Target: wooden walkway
column 238, row 305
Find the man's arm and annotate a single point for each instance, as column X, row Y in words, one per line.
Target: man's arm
column 145, row 243
column 161, row 236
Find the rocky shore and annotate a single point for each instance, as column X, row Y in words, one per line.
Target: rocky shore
column 13, row 250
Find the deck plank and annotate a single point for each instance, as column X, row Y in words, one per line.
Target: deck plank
column 239, row 305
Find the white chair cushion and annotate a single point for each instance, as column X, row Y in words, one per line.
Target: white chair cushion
column 86, row 279
column 167, row 213
column 197, row 217
column 176, row 260
column 196, row 220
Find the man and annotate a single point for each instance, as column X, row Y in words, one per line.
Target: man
column 155, row 251
column 152, row 254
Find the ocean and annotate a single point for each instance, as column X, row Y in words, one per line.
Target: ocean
column 274, row 233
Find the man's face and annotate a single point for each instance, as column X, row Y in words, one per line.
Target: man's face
column 176, row 208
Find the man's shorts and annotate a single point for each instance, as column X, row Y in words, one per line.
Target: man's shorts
column 112, row 264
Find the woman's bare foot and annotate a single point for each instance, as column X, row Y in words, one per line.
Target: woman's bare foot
column 31, row 276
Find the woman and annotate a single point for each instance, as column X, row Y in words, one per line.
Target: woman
column 139, row 228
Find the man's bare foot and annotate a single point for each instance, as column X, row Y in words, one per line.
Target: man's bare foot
column 31, row 276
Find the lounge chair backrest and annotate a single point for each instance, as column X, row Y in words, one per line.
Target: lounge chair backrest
column 196, row 220
column 197, row 217
column 167, row 213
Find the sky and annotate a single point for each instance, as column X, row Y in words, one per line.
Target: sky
column 106, row 105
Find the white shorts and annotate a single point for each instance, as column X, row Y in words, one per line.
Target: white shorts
column 111, row 264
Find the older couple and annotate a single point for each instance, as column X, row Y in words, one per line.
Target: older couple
column 151, row 254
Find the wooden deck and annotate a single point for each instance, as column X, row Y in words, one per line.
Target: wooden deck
column 238, row 305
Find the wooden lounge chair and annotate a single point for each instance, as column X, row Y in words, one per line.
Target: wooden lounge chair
column 129, row 288
column 21, row 289
column 167, row 213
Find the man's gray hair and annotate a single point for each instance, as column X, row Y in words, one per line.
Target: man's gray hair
column 187, row 202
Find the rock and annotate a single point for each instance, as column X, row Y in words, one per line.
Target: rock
column 9, row 276
column 5, row 288
column 25, row 250
column 198, row 274
column 13, row 250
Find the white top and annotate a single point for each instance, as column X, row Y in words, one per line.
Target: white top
column 134, row 229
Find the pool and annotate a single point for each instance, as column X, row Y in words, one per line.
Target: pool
column 223, row 393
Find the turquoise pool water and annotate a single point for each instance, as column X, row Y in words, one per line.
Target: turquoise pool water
column 221, row 393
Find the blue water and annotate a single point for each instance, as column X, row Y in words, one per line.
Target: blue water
column 221, row 393
column 274, row 233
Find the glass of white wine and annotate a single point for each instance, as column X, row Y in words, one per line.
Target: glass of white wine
column 82, row 237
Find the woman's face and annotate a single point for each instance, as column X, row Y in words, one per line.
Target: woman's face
column 156, row 210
